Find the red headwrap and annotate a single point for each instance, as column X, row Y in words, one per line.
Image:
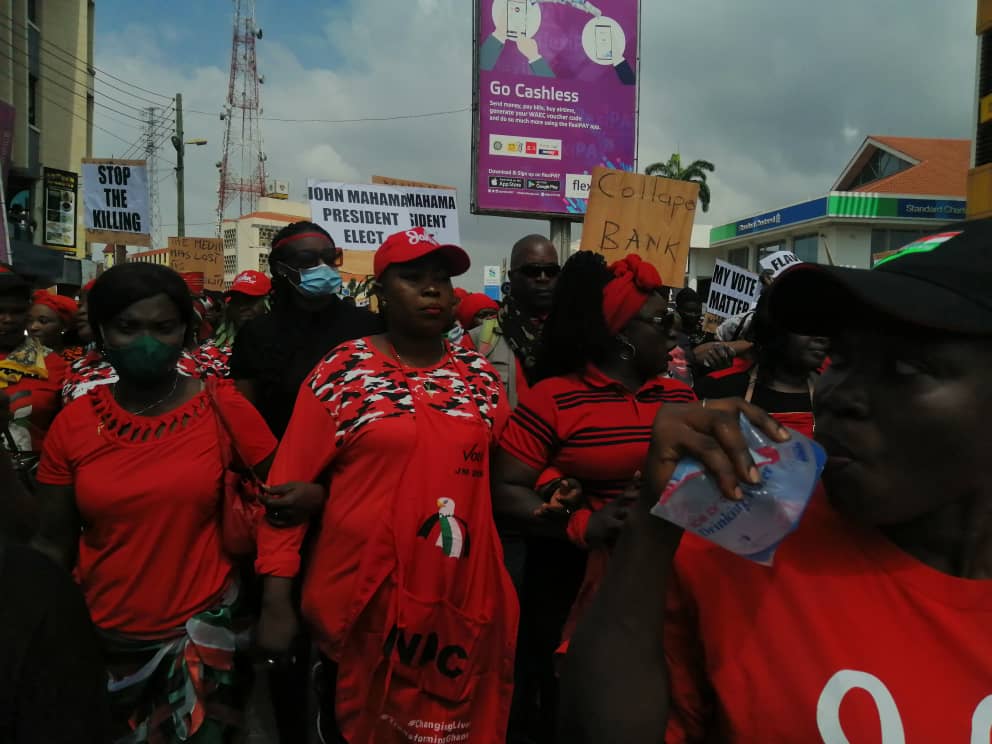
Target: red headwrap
column 64, row 307
column 634, row 281
column 470, row 306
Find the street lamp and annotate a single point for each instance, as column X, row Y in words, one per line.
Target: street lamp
column 180, row 144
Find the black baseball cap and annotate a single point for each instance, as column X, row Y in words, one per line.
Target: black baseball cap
column 941, row 282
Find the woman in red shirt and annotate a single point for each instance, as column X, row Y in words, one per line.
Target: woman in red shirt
column 30, row 373
column 869, row 625
column 132, row 484
column 781, row 376
column 603, row 361
column 405, row 590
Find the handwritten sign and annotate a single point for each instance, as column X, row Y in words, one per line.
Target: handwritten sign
column 361, row 216
column 115, row 197
column 194, row 255
column 778, row 262
column 733, row 290
column 646, row 215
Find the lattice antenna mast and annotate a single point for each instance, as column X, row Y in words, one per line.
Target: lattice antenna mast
column 242, row 167
column 152, row 134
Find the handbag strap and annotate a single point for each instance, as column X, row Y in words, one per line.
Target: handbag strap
column 225, row 433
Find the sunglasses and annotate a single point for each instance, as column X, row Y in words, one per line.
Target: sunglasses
column 535, row 271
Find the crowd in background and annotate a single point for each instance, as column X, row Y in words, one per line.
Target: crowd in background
column 407, row 519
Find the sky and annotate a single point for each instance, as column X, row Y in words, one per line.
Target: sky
column 778, row 95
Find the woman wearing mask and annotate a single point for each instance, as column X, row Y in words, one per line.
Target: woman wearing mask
column 406, row 591
column 782, row 375
column 131, row 485
column 274, row 353
column 50, row 318
column 602, row 362
column 30, row 373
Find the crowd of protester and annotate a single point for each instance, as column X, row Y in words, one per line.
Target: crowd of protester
column 429, row 521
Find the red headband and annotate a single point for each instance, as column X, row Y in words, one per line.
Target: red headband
column 64, row 307
column 634, row 281
column 300, row 236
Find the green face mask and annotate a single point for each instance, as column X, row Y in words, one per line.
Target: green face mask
column 144, row 358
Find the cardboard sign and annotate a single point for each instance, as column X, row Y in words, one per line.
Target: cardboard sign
column 733, row 290
column 115, row 197
column 361, row 216
column 778, row 262
column 387, row 181
column 190, row 255
column 646, row 215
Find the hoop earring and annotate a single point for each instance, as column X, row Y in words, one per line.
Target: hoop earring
column 629, row 350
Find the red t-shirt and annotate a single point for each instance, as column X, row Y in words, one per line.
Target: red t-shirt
column 591, row 428
column 34, row 403
column 353, row 425
column 150, row 554
column 845, row 639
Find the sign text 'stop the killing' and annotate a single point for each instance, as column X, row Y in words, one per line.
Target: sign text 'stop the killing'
column 115, row 197
column 650, row 216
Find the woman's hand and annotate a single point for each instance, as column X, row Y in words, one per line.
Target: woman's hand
column 291, row 504
column 711, row 433
column 565, row 498
column 604, row 525
column 278, row 625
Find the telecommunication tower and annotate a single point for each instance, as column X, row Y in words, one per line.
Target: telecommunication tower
column 152, row 135
column 242, row 166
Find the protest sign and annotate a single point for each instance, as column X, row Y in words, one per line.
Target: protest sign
column 60, row 208
column 199, row 255
column 646, row 215
column 778, row 262
column 115, row 197
column 388, row 181
column 733, row 290
column 360, row 216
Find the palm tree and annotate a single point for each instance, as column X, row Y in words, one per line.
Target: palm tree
column 696, row 172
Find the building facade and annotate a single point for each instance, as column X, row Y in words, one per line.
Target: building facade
column 159, row 256
column 247, row 239
column 46, row 115
column 892, row 192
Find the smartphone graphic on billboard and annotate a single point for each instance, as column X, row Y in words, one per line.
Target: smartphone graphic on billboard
column 604, row 42
column 516, row 18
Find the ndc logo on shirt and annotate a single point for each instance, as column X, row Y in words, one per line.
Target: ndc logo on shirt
column 452, row 531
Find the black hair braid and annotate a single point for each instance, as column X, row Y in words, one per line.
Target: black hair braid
column 575, row 331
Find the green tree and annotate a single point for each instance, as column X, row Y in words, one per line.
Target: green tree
column 695, row 171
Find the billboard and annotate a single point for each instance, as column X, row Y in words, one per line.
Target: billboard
column 555, row 96
column 60, row 208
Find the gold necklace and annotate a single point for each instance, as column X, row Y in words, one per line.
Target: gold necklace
column 424, row 385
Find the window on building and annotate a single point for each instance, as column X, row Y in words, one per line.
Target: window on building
column 767, row 249
column 738, row 257
column 33, row 11
column 231, row 264
column 230, row 240
column 263, row 263
column 883, row 241
column 265, row 234
column 881, row 165
column 807, row 247
column 33, row 100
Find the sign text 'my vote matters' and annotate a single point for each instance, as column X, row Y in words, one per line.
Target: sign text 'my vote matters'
column 733, row 290
column 646, row 215
column 361, row 216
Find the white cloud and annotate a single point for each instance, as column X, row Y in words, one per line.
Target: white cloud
column 775, row 95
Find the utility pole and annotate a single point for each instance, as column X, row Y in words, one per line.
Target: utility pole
column 180, row 145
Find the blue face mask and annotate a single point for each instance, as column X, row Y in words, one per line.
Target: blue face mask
column 320, row 281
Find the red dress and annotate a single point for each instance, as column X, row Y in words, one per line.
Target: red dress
column 150, row 554
column 406, row 590
column 34, row 401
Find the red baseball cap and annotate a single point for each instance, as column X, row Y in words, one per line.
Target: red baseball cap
column 409, row 245
column 251, row 283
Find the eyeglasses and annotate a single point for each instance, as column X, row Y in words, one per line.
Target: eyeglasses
column 534, row 271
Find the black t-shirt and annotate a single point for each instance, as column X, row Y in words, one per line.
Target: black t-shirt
column 735, row 386
column 279, row 350
column 52, row 679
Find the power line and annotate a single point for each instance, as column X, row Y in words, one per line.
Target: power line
column 89, row 67
column 397, row 117
column 85, row 119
